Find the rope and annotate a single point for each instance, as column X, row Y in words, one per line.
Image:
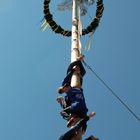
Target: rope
column 112, row 92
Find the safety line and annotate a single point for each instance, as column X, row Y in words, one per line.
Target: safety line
column 111, row 90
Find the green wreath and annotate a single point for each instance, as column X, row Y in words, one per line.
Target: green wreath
column 58, row 29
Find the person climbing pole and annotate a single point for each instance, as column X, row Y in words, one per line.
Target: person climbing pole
column 77, row 67
column 73, row 104
column 81, row 126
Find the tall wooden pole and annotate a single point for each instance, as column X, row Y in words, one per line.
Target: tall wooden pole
column 75, row 52
column 75, row 49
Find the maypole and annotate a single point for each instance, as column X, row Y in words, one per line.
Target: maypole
column 75, row 49
column 75, row 33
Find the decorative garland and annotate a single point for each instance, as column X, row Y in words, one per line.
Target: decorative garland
column 58, row 29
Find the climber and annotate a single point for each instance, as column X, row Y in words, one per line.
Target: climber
column 73, row 104
column 80, row 127
column 77, row 67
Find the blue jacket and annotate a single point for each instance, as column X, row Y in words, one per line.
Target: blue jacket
column 75, row 98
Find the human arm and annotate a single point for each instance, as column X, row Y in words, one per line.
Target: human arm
column 76, row 63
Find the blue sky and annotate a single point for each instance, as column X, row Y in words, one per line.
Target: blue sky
column 33, row 64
